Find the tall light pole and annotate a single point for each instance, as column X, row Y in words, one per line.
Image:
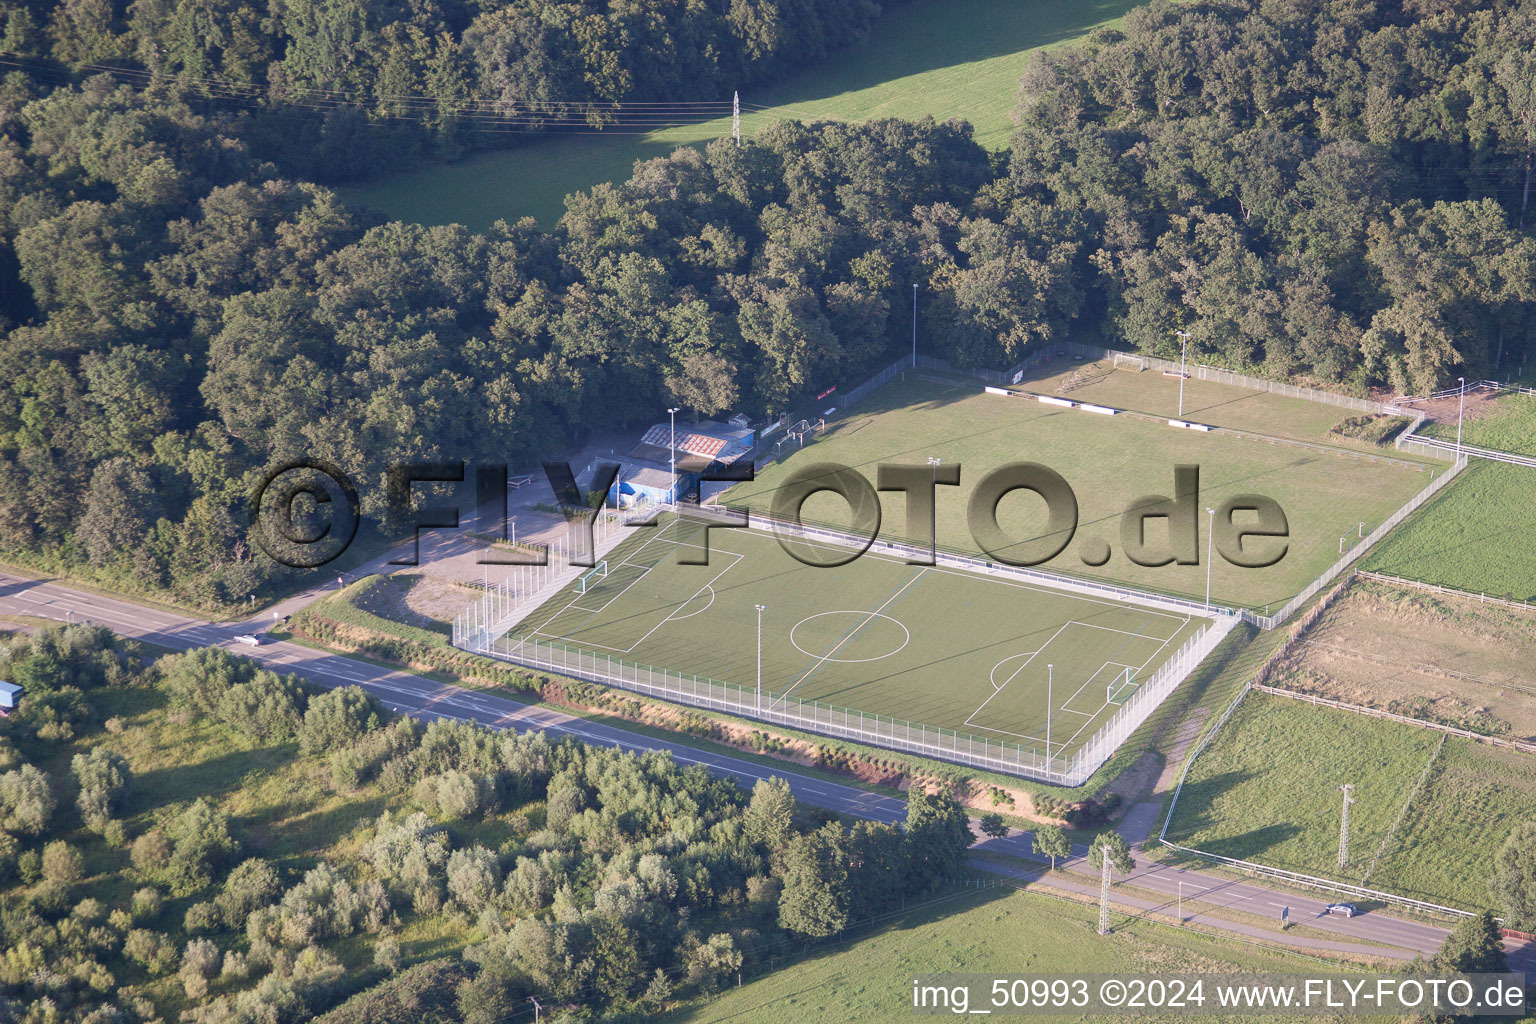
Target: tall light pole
column 1461, row 408
column 933, row 539
column 1348, row 789
column 1050, row 674
column 914, row 325
column 1183, row 367
column 1181, row 901
column 673, row 450
column 760, row 609
column 1210, row 542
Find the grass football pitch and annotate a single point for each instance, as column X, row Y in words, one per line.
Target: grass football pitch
column 1330, row 498
column 926, row 644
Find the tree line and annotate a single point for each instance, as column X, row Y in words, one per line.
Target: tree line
column 585, row 877
column 337, row 89
column 1327, row 192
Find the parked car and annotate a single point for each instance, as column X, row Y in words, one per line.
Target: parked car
column 249, row 639
column 1347, row 909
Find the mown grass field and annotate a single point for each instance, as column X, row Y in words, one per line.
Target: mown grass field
column 1450, row 836
column 945, row 58
column 924, row 644
column 1267, row 790
column 1204, row 401
column 869, row 977
column 1109, row 462
column 1475, row 535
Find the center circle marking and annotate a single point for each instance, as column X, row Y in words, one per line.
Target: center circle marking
column 906, row 636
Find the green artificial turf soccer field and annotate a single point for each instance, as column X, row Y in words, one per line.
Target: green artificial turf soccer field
column 931, row 645
column 1109, row 463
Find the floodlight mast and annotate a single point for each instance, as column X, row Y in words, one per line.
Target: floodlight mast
column 1183, row 367
column 1348, row 789
column 672, row 446
column 1210, row 541
column 760, row 609
column 1050, row 674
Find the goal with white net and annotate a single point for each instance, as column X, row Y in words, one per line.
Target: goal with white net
column 598, row 572
column 1123, row 362
column 1122, row 687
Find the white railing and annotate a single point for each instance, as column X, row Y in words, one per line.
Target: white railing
column 1435, row 588
column 862, row 726
column 1327, row 884
column 483, row 627
column 1425, row 445
column 1353, row 554
column 1392, row 716
column 525, row 587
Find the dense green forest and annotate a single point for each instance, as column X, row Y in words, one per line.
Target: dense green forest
column 1336, row 191
column 205, row 837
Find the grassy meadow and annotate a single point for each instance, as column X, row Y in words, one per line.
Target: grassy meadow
column 1508, row 424
column 1267, row 790
column 944, row 58
column 1475, row 535
column 869, row 977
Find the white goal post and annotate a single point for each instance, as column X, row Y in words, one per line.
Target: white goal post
column 592, row 575
column 1126, row 362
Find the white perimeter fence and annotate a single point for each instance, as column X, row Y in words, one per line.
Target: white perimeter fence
column 1280, row 874
column 529, row 585
column 1353, row 554
column 865, row 727
column 482, row 628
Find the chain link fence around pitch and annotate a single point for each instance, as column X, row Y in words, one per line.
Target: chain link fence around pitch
column 862, row 726
column 1358, row 551
column 483, row 629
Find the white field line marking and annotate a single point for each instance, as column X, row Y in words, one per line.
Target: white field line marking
column 1055, row 592
column 572, row 603
column 1016, row 672
column 631, row 648
column 1039, row 589
column 1094, row 715
column 991, row 676
column 674, row 617
column 855, row 631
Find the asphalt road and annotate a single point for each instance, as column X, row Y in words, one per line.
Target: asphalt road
column 1012, row 856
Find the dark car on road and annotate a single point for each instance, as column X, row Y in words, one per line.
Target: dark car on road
column 1347, row 909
